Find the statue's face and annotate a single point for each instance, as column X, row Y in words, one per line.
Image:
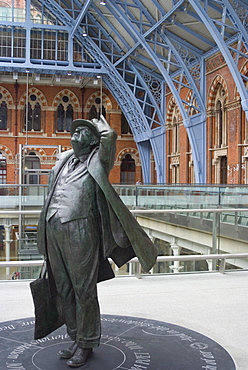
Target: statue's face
column 82, row 140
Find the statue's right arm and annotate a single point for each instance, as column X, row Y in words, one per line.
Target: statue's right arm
column 107, row 143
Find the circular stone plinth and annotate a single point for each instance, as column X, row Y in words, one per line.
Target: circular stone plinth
column 127, row 343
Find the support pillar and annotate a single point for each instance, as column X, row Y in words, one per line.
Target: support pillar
column 210, row 265
column 176, row 249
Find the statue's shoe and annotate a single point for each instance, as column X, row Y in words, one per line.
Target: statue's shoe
column 80, row 357
column 69, row 352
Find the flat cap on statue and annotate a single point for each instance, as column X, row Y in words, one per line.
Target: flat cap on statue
column 84, row 122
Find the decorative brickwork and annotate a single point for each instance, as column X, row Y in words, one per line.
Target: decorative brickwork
column 218, row 80
column 39, row 95
column 7, row 153
column 132, row 151
column 72, row 98
column 6, row 96
column 106, row 102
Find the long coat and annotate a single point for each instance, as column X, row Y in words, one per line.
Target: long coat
column 121, row 236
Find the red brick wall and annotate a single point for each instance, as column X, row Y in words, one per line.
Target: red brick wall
column 10, row 140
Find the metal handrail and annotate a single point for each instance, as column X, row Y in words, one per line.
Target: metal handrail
column 193, row 257
column 189, row 210
column 138, row 210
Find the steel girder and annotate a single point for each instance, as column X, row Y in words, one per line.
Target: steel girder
column 218, row 30
column 139, row 71
column 196, row 131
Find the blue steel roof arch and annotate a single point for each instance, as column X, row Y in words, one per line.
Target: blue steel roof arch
column 159, row 156
column 196, row 137
column 154, row 57
column 223, row 47
column 80, row 16
column 148, row 96
column 227, row 33
column 130, row 106
column 231, row 9
column 110, row 26
column 140, row 39
column 133, row 86
column 193, row 33
column 190, row 79
column 92, row 47
column 134, row 114
column 155, row 88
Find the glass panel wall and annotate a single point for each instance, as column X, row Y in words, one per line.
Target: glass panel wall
column 182, row 221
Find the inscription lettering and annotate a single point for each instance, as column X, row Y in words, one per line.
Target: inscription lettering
column 19, row 350
column 132, row 345
column 48, row 339
column 9, row 327
column 15, row 366
column 28, row 323
column 142, row 358
column 209, row 360
column 198, row 345
column 207, row 354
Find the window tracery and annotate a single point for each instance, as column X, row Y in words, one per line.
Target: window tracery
column 220, row 139
column 66, row 108
column 3, row 169
column 128, row 170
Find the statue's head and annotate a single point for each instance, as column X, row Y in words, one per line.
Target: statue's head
column 84, row 136
column 86, row 123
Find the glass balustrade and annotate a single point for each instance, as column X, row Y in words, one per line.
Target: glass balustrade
column 197, row 220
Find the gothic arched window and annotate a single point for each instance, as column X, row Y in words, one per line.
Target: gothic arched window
column 175, row 134
column 32, row 118
column 36, row 121
column 97, row 109
column 65, row 114
column 220, row 119
column 219, row 123
column 127, row 170
column 93, row 112
column 3, row 116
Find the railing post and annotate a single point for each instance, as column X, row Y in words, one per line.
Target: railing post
column 7, row 241
column 136, row 196
column 215, row 228
column 222, row 265
column 138, row 275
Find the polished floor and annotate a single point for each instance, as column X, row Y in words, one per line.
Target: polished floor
column 212, row 304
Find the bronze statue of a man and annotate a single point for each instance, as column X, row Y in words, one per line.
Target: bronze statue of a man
column 82, row 223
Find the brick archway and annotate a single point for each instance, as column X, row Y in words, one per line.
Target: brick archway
column 6, row 96
column 106, row 102
column 7, row 153
column 170, row 110
column 219, row 80
column 73, row 100
column 40, row 97
column 132, row 151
